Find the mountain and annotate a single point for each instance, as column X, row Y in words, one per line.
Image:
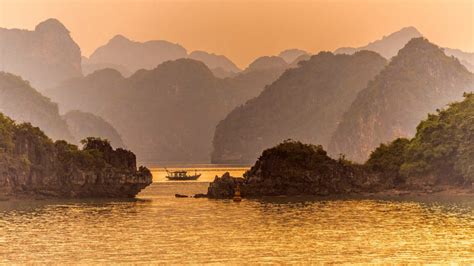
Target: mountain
column 266, row 62
column 388, row 46
column 220, row 65
column 83, row 125
column 291, row 55
column 45, row 57
column 303, row 57
column 295, row 106
column 132, row 55
column 88, row 68
column 23, row 103
column 165, row 114
column 420, row 79
column 251, row 81
column 467, row 59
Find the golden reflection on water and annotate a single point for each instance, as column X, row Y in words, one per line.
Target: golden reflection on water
column 163, row 229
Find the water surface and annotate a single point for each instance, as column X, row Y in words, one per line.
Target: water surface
column 158, row 228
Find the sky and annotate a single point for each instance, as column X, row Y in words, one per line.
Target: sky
column 244, row 30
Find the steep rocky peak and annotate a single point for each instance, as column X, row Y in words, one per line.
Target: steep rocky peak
column 51, row 25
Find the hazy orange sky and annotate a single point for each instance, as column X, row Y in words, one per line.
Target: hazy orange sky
column 242, row 29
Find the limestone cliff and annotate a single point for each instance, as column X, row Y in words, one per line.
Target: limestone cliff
column 305, row 103
column 420, row 79
column 32, row 165
column 45, row 57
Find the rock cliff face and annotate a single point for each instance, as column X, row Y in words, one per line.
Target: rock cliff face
column 23, row 103
column 165, row 114
column 83, row 125
column 44, row 57
column 295, row 106
column 32, row 165
column 439, row 157
column 132, row 55
column 293, row 168
column 420, row 79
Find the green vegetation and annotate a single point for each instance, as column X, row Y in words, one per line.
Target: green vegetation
column 420, row 79
column 31, row 162
column 296, row 106
column 443, row 147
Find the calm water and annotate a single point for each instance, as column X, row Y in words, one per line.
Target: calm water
column 159, row 228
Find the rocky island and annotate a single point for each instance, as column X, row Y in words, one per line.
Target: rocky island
column 32, row 165
column 439, row 157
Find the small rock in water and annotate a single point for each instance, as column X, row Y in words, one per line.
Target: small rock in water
column 200, row 195
column 180, row 196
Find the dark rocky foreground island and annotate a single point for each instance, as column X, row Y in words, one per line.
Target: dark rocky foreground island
column 32, row 165
column 439, row 158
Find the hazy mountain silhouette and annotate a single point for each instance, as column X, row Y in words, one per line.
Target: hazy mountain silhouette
column 291, row 55
column 165, row 114
column 467, row 59
column 420, row 79
column 23, row 103
column 220, row 65
column 83, row 125
column 305, row 103
column 88, row 68
column 388, row 46
column 303, row 57
column 45, row 57
column 132, row 55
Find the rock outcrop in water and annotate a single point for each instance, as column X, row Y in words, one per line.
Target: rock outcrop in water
column 305, row 103
column 420, row 79
column 45, row 57
column 292, row 168
column 440, row 156
column 33, row 165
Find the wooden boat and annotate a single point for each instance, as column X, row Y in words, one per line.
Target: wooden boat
column 181, row 175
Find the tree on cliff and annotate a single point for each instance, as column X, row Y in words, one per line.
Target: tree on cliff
column 443, row 147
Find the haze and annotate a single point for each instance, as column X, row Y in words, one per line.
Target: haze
column 244, row 30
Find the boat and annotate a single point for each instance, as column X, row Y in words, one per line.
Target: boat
column 181, row 175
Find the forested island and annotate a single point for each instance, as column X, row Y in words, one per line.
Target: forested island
column 439, row 157
column 32, row 165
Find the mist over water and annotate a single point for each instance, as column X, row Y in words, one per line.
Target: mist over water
column 158, row 228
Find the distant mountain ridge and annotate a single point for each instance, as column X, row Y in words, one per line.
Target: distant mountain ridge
column 220, row 65
column 389, row 46
column 295, row 106
column 45, row 57
column 134, row 55
column 23, row 103
column 83, row 125
column 420, row 79
column 290, row 55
